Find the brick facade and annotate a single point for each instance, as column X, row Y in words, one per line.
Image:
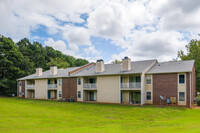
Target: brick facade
column 165, row 85
column 188, row 89
column 69, row 88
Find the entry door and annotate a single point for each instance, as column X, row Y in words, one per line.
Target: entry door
column 121, row 96
column 49, row 94
column 91, row 96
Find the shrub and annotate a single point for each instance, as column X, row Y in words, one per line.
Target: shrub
column 198, row 100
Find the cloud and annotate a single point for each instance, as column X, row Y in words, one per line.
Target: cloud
column 141, row 29
column 91, row 50
column 76, row 36
column 179, row 15
column 159, row 45
column 58, row 45
column 114, row 19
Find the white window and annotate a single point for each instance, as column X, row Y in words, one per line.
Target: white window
column 148, row 79
column 60, row 93
column 79, row 94
column 181, row 96
column 148, row 96
column 60, row 81
column 181, row 78
column 79, row 81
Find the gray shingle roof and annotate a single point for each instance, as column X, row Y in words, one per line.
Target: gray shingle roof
column 172, row 67
column 46, row 74
column 111, row 69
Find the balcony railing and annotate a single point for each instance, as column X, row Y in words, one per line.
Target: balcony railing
column 52, row 86
column 90, row 85
column 30, row 86
column 131, row 85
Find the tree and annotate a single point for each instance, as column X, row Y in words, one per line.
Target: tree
column 21, row 59
column 80, row 62
column 193, row 53
column 116, row 61
column 60, row 63
column 10, row 61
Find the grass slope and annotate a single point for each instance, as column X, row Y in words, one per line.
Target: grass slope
column 24, row 116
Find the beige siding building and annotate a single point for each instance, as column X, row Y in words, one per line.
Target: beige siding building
column 129, row 82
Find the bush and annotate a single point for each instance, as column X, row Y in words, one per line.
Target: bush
column 198, row 100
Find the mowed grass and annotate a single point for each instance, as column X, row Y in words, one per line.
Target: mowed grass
column 24, row 116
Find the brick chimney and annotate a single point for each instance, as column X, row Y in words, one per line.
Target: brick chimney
column 126, row 64
column 100, row 66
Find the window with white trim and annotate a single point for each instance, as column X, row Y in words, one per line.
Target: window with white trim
column 60, row 93
column 60, row 81
column 20, row 83
column 181, row 78
column 148, row 95
column 79, row 81
column 148, row 79
column 79, row 94
column 182, row 96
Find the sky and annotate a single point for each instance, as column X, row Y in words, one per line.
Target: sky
column 104, row 29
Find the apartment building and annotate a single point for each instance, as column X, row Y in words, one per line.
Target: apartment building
column 52, row 84
column 138, row 82
column 129, row 82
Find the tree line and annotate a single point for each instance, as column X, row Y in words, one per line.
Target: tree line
column 22, row 58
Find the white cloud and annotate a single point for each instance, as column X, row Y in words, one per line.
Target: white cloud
column 179, row 15
column 109, row 20
column 141, row 29
column 76, row 36
column 159, row 45
column 58, row 45
column 91, row 50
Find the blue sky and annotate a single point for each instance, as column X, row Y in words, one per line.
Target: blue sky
column 104, row 29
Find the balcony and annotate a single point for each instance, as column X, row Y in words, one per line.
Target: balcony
column 89, row 86
column 131, row 86
column 52, row 86
column 30, row 87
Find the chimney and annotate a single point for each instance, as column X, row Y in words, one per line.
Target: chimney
column 100, row 66
column 39, row 71
column 126, row 64
column 53, row 70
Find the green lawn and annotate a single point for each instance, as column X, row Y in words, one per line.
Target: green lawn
column 22, row 115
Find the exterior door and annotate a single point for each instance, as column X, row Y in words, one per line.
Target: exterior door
column 91, row 96
column 121, row 96
column 49, row 94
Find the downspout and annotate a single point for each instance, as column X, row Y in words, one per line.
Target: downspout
column 142, row 88
column 190, row 90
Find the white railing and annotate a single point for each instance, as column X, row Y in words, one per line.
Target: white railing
column 131, row 85
column 52, row 86
column 135, row 85
column 90, row 85
column 30, row 86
